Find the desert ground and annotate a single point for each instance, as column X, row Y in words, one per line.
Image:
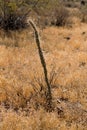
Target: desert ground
column 21, row 74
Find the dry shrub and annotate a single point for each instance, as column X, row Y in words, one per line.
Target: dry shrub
column 39, row 97
column 12, row 15
column 13, row 22
column 84, row 14
column 71, row 4
column 61, row 16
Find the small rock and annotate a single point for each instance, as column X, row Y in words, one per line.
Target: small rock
column 67, row 38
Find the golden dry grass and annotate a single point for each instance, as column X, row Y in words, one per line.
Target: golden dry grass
column 20, row 67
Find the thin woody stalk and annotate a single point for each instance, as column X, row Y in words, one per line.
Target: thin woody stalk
column 43, row 63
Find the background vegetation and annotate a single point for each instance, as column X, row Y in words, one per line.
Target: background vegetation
column 13, row 14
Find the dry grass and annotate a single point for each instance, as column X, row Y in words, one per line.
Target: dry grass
column 66, row 50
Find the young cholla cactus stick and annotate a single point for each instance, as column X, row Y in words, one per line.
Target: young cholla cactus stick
column 42, row 59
